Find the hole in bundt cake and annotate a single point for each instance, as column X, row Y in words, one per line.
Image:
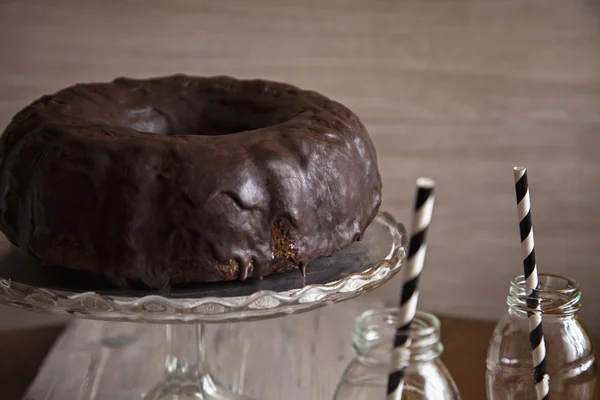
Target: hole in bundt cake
column 148, row 120
column 223, row 115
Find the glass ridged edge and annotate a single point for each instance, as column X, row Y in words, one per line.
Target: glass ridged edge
column 263, row 304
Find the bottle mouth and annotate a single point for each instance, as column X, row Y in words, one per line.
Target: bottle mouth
column 376, row 329
column 556, row 295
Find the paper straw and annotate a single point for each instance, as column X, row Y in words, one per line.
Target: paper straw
column 536, row 335
column 411, row 274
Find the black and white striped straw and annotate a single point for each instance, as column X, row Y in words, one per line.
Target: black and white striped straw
column 536, row 336
column 412, row 272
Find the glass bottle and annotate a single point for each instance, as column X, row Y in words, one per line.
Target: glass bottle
column 426, row 377
column 570, row 359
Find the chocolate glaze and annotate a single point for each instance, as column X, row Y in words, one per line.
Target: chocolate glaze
column 185, row 179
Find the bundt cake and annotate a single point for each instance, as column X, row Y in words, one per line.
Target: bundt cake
column 185, row 179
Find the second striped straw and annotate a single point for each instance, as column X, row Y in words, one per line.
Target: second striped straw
column 412, row 272
column 536, row 336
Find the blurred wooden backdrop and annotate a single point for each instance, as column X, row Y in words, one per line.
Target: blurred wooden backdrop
column 459, row 90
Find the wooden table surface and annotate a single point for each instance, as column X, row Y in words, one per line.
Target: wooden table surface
column 303, row 356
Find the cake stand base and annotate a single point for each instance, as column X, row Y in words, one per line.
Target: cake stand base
column 186, row 375
column 202, row 388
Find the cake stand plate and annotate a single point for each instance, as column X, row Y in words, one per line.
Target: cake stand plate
column 359, row 268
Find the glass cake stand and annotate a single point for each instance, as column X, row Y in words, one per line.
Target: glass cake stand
column 358, row 269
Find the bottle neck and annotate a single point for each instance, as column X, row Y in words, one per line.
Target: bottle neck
column 375, row 331
column 559, row 297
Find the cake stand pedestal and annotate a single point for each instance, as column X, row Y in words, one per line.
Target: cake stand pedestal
column 358, row 269
column 186, row 374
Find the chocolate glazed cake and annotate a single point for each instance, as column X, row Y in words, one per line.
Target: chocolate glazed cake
column 185, row 179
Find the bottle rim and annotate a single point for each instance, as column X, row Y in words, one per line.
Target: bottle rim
column 556, row 294
column 424, row 330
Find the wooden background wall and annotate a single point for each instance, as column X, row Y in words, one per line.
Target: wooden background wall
column 460, row 90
